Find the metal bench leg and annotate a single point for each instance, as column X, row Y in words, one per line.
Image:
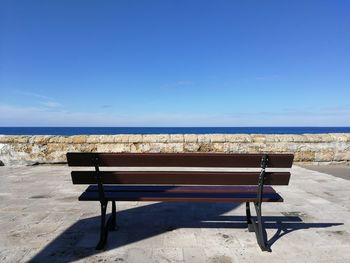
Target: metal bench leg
column 258, row 225
column 249, row 217
column 113, row 224
column 103, row 229
column 259, row 228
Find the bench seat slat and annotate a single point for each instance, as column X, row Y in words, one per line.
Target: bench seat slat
column 181, row 197
column 169, row 177
column 180, row 189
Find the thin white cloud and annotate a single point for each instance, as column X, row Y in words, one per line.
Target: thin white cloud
column 267, row 77
column 177, row 84
column 106, row 106
column 32, row 94
column 46, row 101
column 41, row 116
column 51, row 104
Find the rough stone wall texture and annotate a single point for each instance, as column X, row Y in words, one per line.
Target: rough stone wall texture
column 316, row 148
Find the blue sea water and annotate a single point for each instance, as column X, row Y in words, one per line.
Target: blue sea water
column 167, row 130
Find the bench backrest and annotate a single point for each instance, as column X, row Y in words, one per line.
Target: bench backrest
column 206, row 160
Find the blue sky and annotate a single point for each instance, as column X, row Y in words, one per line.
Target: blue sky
column 174, row 63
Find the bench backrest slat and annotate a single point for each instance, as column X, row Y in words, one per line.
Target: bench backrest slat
column 178, row 160
column 180, row 178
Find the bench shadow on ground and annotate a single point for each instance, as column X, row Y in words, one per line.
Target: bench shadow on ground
column 143, row 222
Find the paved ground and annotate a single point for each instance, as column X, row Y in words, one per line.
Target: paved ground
column 341, row 171
column 42, row 221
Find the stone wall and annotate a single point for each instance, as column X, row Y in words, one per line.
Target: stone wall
column 317, row 148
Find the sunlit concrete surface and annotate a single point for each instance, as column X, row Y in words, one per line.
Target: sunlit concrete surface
column 41, row 220
column 339, row 170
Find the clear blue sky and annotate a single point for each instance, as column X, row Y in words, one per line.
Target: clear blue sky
column 175, row 63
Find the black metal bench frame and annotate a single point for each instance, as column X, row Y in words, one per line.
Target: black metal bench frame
column 254, row 225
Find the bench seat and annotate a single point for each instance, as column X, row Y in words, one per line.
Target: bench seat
column 181, row 193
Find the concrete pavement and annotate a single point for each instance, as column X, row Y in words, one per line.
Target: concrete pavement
column 41, row 220
column 339, row 170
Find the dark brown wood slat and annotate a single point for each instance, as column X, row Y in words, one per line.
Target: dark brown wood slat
column 184, row 178
column 180, row 197
column 178, row 159
column 180, row 189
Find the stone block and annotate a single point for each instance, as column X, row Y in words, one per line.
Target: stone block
column 298, row 138
column 218, row 138
column 256, row 147
column 258, row 138
column 14, row 139
column 135, row 138
column 157, row 138
column 271, row 138
column 190, row 138
column 304, row 156
column 340, row 137
column 94, row 138
column 342, row 156
column 61, row 139
column 281, row 147
column 114, row 138
column 317, row 137
column 238, row 138
column 79, row 139
column 136, row 147
column 113, row 147
column 205, row 147
column 217, row 147
column 173, row 148
column 120, row 138
column 191, row 147
column 155, row 147
column 176, row 138
column 204, row 138
column 324, row 156
column 40, row 139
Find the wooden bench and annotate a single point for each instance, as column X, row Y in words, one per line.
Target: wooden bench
column 181, row 186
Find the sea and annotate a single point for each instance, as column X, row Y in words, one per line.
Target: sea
column 67, row 131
